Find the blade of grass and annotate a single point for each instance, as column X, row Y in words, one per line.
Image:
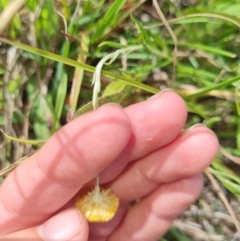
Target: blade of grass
column 112, row 44
column 76, row 64
column 225, row 171
column 32, row 142
column 107, row 19
column 202, row 74
column 129, row 11
column 223, row 198
column 206, row 48
column 66, row 45
column 227, row 18
column 172, row 34
column 238, row 132
column 61, row 94
column 145, row 38
column 231, row 186
column 12, row 8
column 217, row 86
column 178, row 235
column 8, row 169
column 233, row 157
column 78, row 76
column 220, row 166
column 229, row 181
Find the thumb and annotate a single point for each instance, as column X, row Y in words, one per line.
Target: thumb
column 67, row 225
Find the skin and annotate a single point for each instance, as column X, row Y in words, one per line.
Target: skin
column 141, row 151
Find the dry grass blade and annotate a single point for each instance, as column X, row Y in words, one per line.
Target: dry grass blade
column 130, row 11
column 207, row 15
column 10, row 168
column 185, row 89
column 24, row 141
column 166, row 24
column 224, row 199
column 78, row 76
column 9, row 12
column 233, row 158
column 196, row 232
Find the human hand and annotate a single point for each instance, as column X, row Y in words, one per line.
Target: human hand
column 139, row 152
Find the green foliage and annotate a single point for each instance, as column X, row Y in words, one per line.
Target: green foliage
column 150, row 43
column 46, row 24
column 60, row 47
column 117, row 97
column 108, row 20
column 226, row 176
column 176, row 235
column 61, row 95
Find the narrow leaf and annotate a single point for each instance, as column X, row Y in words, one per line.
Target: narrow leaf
column 107, row 19
column 215, row 87
column 24, row 141
column 61, row 94
column 117, row 98
column 70, row 62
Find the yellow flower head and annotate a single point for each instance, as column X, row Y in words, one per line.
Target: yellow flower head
column 99, row 205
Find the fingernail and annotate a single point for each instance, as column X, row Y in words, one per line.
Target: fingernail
column 196, row 125
column 63, row 226
column 158, row 94
column 109, row 104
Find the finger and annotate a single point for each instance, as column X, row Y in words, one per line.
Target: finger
column 66, row 225
column 152, row 217
column 155, row 122
column 100, row 231
column 187, row 155
column 51, row 177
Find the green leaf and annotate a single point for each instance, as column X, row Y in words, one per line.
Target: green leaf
column 209, row 49
column 184, row 70
column 114, row 88
column 220, row 167
column 238, row 132
column 214, row 87
column 13, row 85
column 112, row 44
column 32, row 142
column 107, row 19
column 177, row 235
column 232, row 187
column 227, row 176
column 76, row 64
column 145, row 39
column 2, row 70
column 61, row 95
column 117, row 98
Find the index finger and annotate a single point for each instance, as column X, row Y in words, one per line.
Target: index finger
column 50, row 178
